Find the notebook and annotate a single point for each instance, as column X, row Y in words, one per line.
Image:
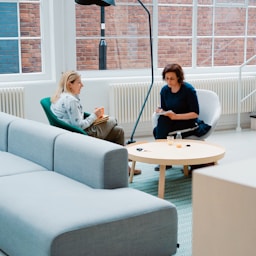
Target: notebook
column 102, row 119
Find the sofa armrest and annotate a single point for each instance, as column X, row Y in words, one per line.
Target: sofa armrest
column 94, row 162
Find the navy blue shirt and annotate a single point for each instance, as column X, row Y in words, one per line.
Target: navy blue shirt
column 183, row 101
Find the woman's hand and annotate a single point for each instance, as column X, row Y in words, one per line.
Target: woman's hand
column 99, row 112
column 159, row 110
column 171, row 115
column 168, row 113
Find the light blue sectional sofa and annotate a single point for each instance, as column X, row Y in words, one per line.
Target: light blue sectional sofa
column 63, row 193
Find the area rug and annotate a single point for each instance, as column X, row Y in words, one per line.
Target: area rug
column 178, row 191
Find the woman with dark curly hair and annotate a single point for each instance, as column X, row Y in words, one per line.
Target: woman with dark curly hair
column 179, row 109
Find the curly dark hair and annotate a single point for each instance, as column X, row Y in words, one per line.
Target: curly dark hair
column 177, row 69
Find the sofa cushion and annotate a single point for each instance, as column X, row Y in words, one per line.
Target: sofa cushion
column 95, row 162
column 5, row 120
column 33, row 141
column 45, row 213
column 12, row 164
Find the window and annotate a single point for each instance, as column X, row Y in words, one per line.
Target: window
column 203, row 33
column 38, row 39
column 20, row 37
column 224, row 33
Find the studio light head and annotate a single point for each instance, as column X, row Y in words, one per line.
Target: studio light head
column 97, row 2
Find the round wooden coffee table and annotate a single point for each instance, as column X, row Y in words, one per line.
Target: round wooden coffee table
column 183, row 152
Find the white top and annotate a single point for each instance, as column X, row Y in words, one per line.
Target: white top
column 69, row 109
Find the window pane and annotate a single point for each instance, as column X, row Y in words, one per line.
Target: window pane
column 8, row 20
column 31, row 56
column 251, row 30
column 175, row 50
column 88, row 20
column 252, row 2
column 204, row 21
column 251, row 50
column 229, row 21
column 228, row 52
column 204, row 52
column 9, row 56
column 31, row 59
column 175, row 21
column 29, row 20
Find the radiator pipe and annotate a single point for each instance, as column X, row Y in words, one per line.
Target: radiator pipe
column 152, row 75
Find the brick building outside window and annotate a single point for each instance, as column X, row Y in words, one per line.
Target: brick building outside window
column 203, row 33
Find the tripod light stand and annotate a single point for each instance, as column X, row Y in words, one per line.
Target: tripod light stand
column 152, row 74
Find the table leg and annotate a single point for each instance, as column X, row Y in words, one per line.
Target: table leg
column 132, row 171
column 185, row 170
column 161, row 183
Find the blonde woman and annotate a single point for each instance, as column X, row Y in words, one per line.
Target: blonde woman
column 67, row 107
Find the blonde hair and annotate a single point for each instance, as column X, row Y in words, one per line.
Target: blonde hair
column 66, row 78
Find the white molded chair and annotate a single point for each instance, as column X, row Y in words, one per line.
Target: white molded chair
column 210, row 111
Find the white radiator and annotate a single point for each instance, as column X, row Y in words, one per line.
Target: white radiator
column 12, row 101
column 126, row 99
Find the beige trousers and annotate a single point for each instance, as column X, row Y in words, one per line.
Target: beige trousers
column 109, row 131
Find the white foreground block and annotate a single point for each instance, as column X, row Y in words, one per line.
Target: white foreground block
column 224, row 209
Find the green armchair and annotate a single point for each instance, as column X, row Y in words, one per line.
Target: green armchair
column 54, row 121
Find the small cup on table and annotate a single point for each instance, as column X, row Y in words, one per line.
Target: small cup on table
column 170, row 140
